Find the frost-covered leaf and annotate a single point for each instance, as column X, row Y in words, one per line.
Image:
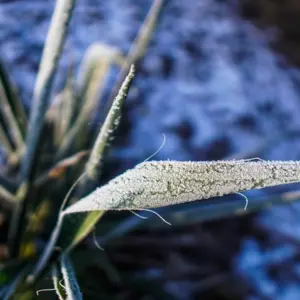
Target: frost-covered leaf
column 42, row 92
column 111, row 122
column 163, row 183
column 140, row 44
column 70, row 231
column 75, row 229
column 57, row 278
column 70, row 281
column 92, row 76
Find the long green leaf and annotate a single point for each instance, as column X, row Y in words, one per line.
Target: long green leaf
column 51, row 54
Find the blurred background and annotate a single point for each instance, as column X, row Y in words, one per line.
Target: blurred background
column 220, row 80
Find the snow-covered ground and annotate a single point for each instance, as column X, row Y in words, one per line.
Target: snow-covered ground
column 209, row 82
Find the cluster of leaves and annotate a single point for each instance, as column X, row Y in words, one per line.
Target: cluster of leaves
column 49, row 154
column 48, row 151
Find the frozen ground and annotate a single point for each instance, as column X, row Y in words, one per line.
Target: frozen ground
column 209, row 82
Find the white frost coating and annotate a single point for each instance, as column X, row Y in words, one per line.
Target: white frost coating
column 71, row 284
column 161, row 183
column 110, row 124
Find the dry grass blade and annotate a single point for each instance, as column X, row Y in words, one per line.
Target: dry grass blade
column 93, row 72
column 111, row 122
column 51, row 54
column 139, row 46
column 163, row 183
column 60, row 168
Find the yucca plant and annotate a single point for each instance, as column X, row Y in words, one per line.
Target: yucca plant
column 48, row 185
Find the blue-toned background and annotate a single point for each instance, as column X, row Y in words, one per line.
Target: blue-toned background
column 220, row 80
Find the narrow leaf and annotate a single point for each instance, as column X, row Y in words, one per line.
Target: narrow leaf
column 11, row 120
column 51, row 54
column 143, row 38
column 14, row 99
column 140, row 45
column 62, row 109
column 68, row 232
column 76, row 228
column 68, row 109
column 70, row 281
column 111, row 122
column 93, row 72
column 57, row 278
column 12, row 287
column 183, row 215
column 4, row 141
column 163, row 183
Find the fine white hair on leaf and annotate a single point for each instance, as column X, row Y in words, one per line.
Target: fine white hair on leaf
column 161, row 183
column 138, row 215
column 96, row 242
column 44, row 290
column 253, row 159
column 157, row 214
column 246, row 198
column 157, row 151
column 71, row 284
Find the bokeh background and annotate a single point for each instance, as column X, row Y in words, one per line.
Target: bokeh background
column 220, row 80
